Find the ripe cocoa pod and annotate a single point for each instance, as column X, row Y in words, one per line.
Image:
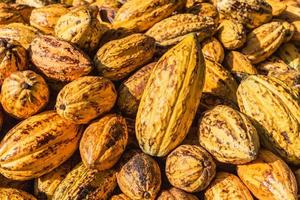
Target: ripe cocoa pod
column 58, row 59
column 190, row 168
column 84, row 183
column 275, row 107
column 15, row 194
column 117, row 58
column 9, row 15
column 181, row 72
column 140, row 177
column 172, row 30
column 227, row 186
column 237, row 62
column 176, row 194
column 289, row 77
column 213, row 49
column 277, row 7
column 120, row 197
column 268, row 177
column 24, row 94
column 290, row 55
column 291, row 13
column 272, row 64
column 191, row 3
column 24, row 10
column 85, row 99
column 205, row 9
column 35, row 3
column 37, row 145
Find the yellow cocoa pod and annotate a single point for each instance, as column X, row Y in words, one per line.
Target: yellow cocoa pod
column 231, row 34
column 46, row 17
column 85, row 99
column 292, row 13
column 205, row 9
column 15, row 194
column 272, row 64
column 268, row 177
column 84, row 183
column 227, row 186
column 148, row 12
column 9, row 15
column 131, row 90
column 190, row 168
column 277, row 7
column 275, row 107
column 140, row 178
column 118, row 58
column 35, row 3
column 228, row 135
column 24, row 94
column 191, row 3
column 213, row 49
column 263, row 41
column 181, row 72
column 37, row 145
column 290, row 54
column 173, row 29
column 176, row 194
column 290, row 77
column 237, row 62
column 296, row 36
column 120, row 197
column 58, row 59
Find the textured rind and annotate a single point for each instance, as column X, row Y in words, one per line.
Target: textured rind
column 296, row 36
column 252, row 13
column 45, row 18
column 117, row 58
column 228, row 135
column 80, row 26
column 37, row 145
column 290, row 55
column 292, row 13
column 84, row 183
column 24, row 10
column 13, row 58
column 263, row 41
column 164, row 118
column 24, row 94
column 138, row 16
column 172, row 30
column 219, row 81
column 272, row 64
column 289, row 77
column 278, row 7
column 131, row 90
column 205, row 9
column 140, row 177
column 227, row 186
column 103, row 142
column 213, row 49
column 22, row 33
column 9, row 15
column 237, row 62
column 58, row 59
column 85, row 99
column 176, row 194
column 190, row 168
column 120, row 197
column 15, row 194
column 269, row 178
column 275, row 107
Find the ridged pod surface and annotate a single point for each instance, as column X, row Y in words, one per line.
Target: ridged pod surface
column 289, row 77
column 239, row 63
column 228, row 135
column 172, row 30
column 176, row 194
column 37, row 145
column 103, row 142
column 138, row 16
column 269, row 178
column 24, row 93
column 213, row 49
column 263, row 41
column 290, row 54
column 117, row 58
column 190, row 168
column 14, row 194
column 164, row 118
column 140, row 177
column 85, row 99
column 88, row 184
column 275, row 107
column 58, row 59
column 227, row 186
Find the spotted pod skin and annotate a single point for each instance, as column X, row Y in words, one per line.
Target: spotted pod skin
column 131, row 90
column 24, row 93
column 87, row 184
column 80, row 26
column 13, row 58
column 85, row 99
column 137, row 16
column 120, row 197
column 228, row 135
column 15, row 194
column 296, row 36
column 275, row 107
column 204, row 9
column 140, row 177
column 290, row 54
column 291, row 13
column 190, row 168
column 163, row 119
column 237, row 62
column 20, row 32
column 37, row 145
column 269, row 178
column 45, row 18
column 172, row 30
column 272, row 64
column 213, row 49
column 289, row 77
column 227, row 186
column 252, row 13
column 176, row 194
column 103, row 142
column 263, row 41
column 8, row 15
column 278, row 7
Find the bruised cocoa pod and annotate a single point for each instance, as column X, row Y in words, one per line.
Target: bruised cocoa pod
column 176, row 194
column 213, row 49
column 24, row 10
column 15, row 194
